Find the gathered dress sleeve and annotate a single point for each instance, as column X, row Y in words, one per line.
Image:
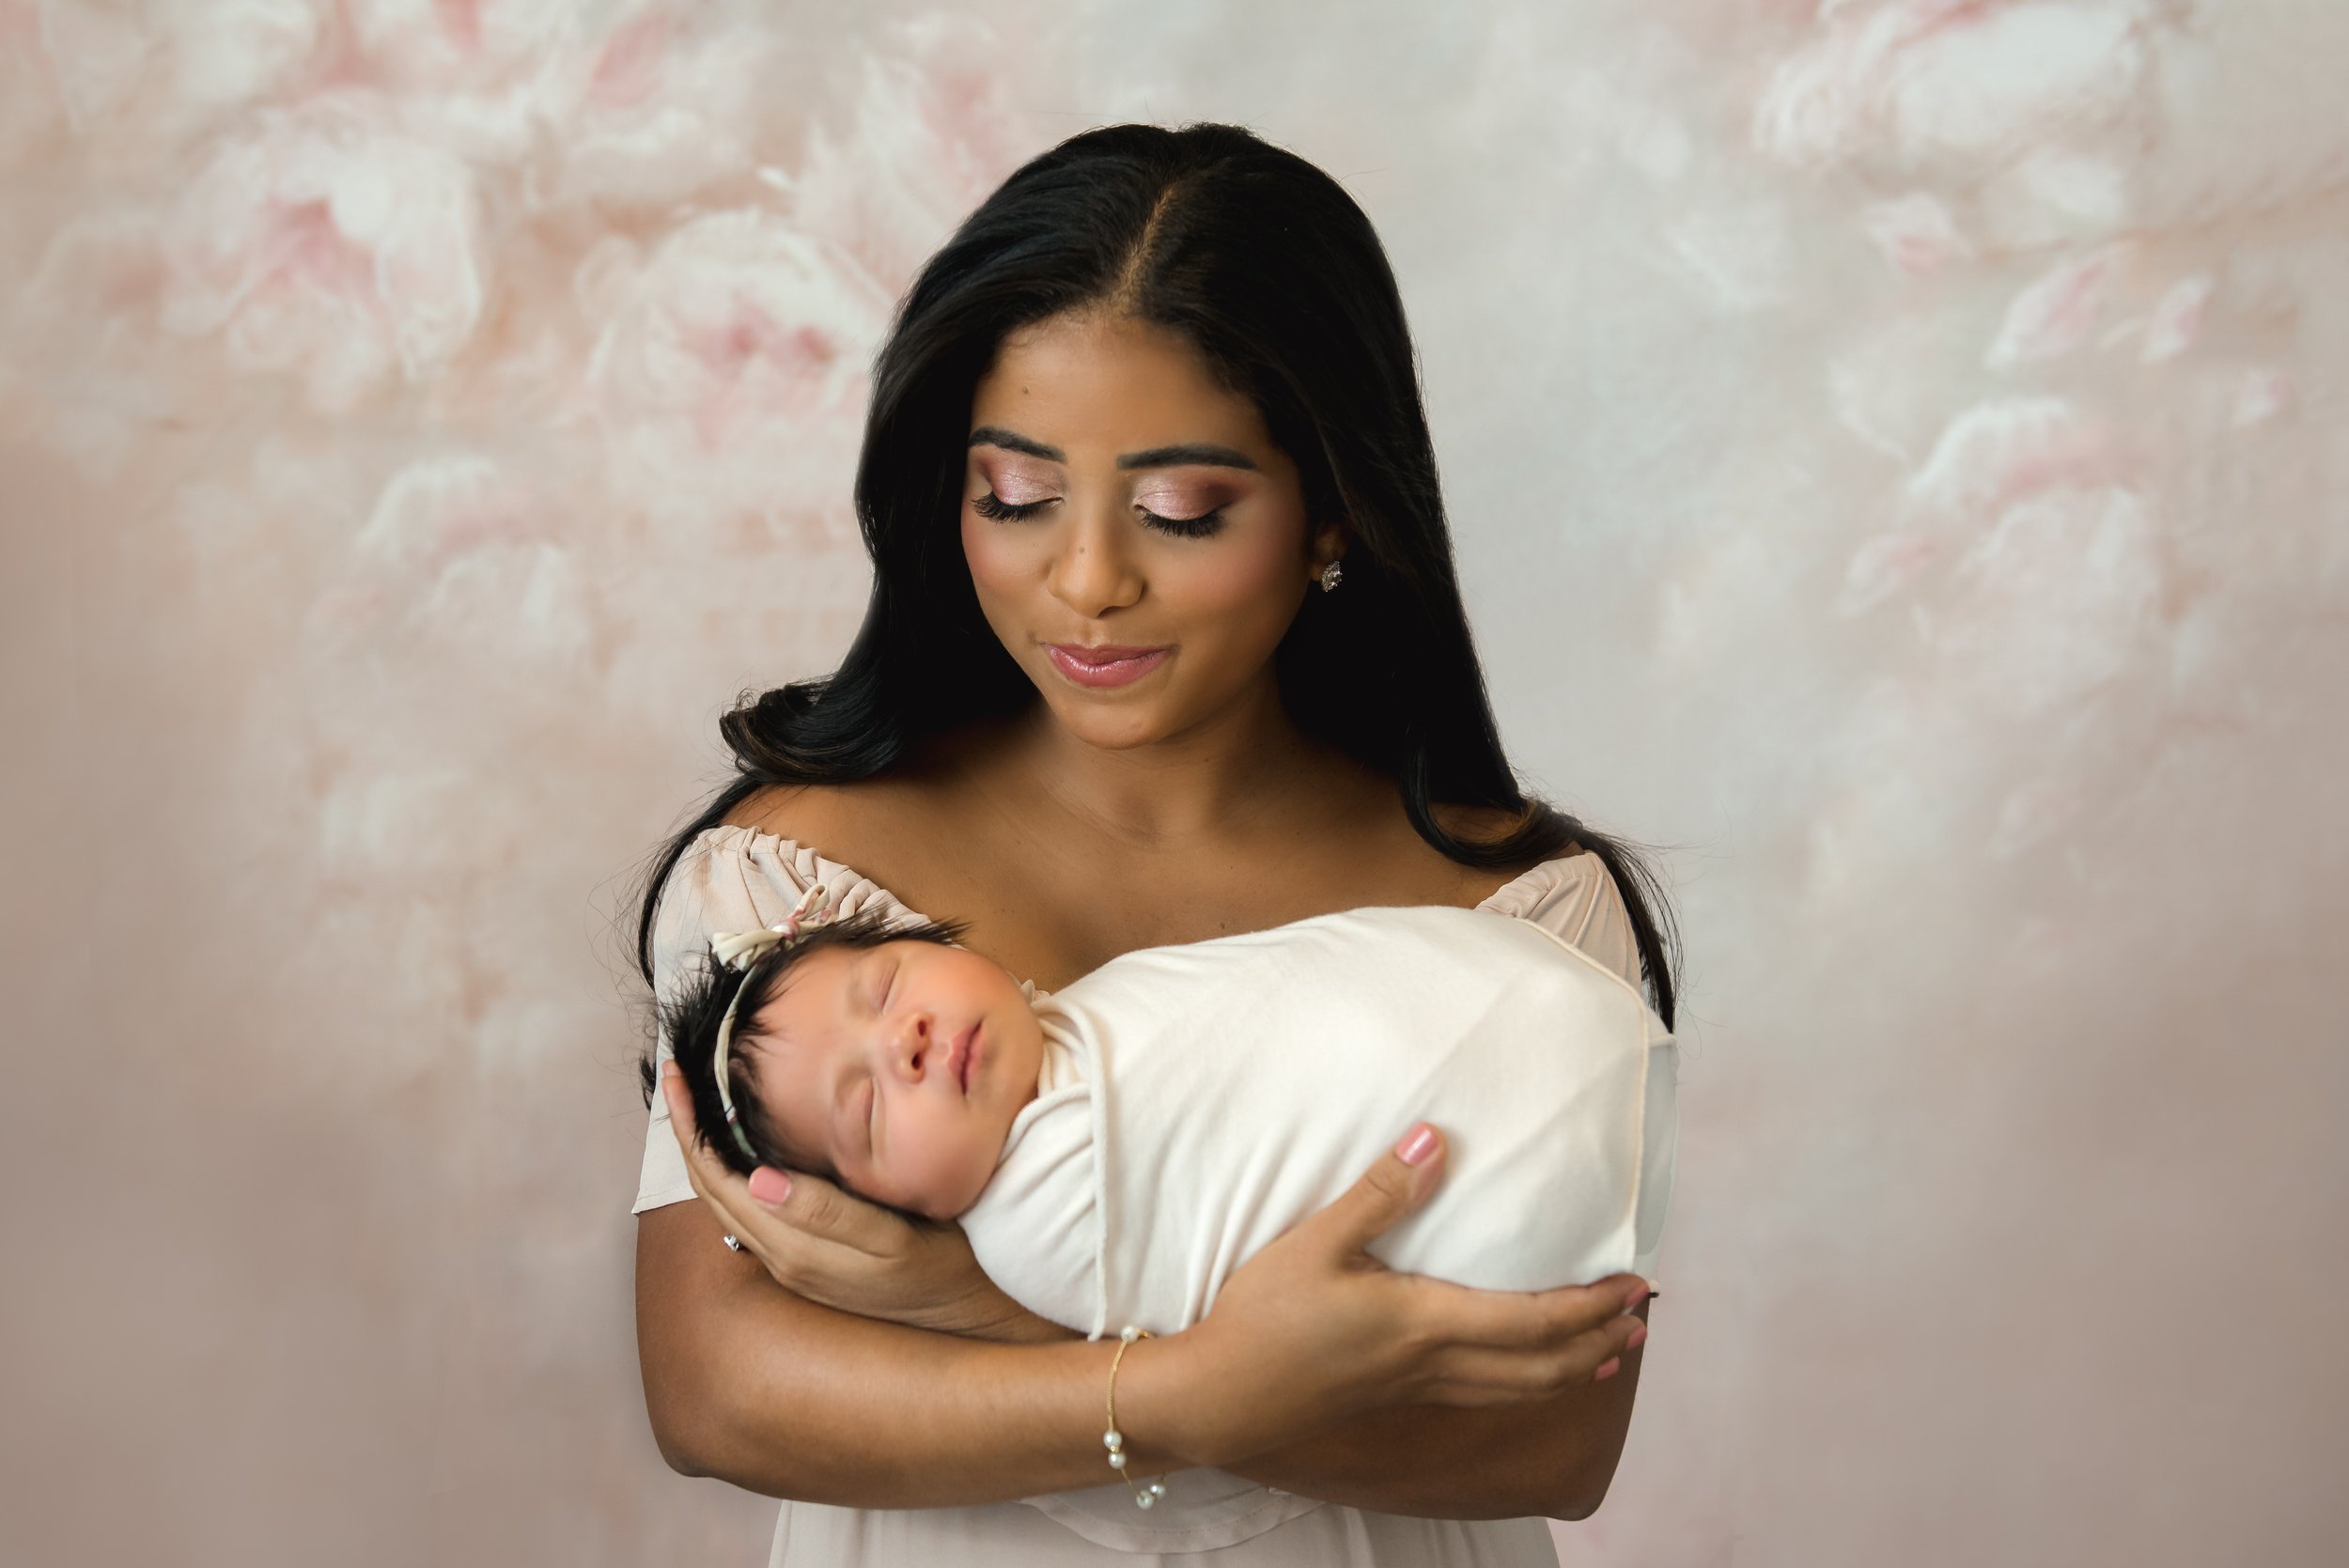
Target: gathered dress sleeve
column 1575, row 900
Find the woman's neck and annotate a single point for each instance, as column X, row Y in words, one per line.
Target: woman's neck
column 1246, row 769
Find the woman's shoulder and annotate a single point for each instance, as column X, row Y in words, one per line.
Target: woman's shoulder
column 834, row 815
column 910, row 800
column 886, row 826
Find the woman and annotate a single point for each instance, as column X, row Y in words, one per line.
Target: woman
column 1195, row 663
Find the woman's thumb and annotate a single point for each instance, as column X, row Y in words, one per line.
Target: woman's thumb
column 1392, row 1186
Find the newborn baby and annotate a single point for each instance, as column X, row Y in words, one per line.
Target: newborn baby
column 1114, row 1150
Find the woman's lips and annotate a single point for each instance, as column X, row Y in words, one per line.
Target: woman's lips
column 1105, row 664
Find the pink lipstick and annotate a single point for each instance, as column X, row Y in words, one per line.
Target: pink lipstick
column 1104, row 664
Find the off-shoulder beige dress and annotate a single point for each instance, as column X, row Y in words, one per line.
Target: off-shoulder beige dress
column 734, row 878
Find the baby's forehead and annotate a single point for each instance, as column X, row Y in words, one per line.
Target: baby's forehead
column 802, row 995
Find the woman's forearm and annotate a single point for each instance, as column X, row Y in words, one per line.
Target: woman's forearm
column 1554, row 1459
column 753, row 1386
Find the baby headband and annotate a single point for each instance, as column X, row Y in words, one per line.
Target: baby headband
column 740, row 950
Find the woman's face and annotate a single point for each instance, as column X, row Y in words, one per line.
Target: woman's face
column 903, row 1066
column 1147, row 509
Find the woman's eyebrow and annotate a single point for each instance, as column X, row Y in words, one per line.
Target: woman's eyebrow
column 1188, row 454
column 1010, row 441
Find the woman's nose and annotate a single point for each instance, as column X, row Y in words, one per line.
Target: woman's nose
column 1090, row 573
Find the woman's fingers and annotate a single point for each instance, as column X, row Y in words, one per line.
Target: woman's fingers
column 1536, row 1320
column 1396, row 1183
column 1494, row 1346
column 680, row 1103
column 1512, row 1346
column 815, row 1207
column 718, row 1186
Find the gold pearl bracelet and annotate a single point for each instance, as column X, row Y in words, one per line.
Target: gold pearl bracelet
column 1115, row 1440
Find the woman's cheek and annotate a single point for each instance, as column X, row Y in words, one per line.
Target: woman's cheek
column 990, row 577
column 998, row 558
column 1246, row 579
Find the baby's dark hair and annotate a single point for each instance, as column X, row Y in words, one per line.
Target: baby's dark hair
column 690, row 1020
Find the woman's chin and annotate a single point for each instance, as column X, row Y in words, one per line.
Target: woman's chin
column 1122, row 726
column 1107, row 727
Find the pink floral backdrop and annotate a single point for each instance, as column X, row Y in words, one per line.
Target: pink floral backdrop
column 1896, row 456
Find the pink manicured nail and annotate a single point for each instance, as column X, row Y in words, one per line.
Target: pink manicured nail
column 1639, row 1294
column 1608, row 1369
column 1639, row 1338
column 769, row 1185
column 1417, row 1144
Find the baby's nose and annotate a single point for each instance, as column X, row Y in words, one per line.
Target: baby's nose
column 913, row 1045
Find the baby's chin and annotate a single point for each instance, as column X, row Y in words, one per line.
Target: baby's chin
column 955, row 1205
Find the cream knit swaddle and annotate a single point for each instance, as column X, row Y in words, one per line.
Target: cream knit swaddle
column 1198, row 1100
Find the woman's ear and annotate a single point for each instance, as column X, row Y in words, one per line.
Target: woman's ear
column 1331, row 541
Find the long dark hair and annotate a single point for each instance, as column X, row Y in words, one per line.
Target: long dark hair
column 1267, row 266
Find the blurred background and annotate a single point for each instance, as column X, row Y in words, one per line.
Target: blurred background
column 1896, row 453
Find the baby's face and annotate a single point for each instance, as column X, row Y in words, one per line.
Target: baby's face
column 903, row 1063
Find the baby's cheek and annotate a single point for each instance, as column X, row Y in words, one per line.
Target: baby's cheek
column 959, row 1168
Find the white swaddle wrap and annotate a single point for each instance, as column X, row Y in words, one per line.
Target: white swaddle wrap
column 1198, row 1100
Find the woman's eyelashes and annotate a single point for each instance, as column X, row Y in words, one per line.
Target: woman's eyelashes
column 992, row 505
column 1189, row 528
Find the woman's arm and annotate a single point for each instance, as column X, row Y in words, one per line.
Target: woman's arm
column 1555, row 1458
column 750, row 1383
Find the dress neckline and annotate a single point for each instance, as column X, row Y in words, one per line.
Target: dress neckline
column 843, row 880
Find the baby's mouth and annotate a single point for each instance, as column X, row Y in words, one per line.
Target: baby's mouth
column 966, row 1051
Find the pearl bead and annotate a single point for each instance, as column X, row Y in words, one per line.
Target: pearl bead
column 1158, row 1488
column 1117, row 1458
column 1113, row 1438
column 1129, row 1334
column 1145, row 1500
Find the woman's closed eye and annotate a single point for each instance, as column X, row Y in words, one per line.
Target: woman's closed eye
column 1189, row 528
column 992, row 506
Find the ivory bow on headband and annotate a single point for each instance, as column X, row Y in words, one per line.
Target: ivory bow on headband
column 740, row 950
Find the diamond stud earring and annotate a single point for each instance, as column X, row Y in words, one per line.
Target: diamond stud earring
column 1330, row 576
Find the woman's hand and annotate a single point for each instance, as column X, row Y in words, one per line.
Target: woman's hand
column 1318, row 1330
column 832, row 1248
